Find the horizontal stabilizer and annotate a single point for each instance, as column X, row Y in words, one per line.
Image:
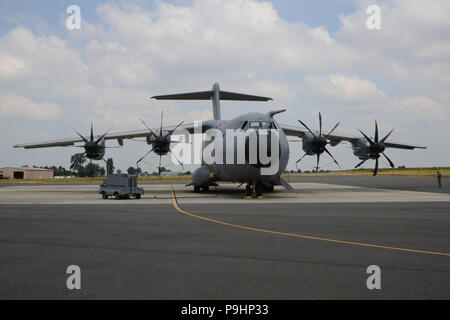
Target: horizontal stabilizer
column 215, row 95
column 208, row 95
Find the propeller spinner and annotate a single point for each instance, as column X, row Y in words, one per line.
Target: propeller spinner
column 160, row 142
column 376, row 147
column 319, row 142
column 93, row 148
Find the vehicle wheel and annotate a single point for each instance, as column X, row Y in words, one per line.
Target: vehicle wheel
column 104, row 195
column 205, row 189
column 196, row 189
column 138, row 196
column 116, row 195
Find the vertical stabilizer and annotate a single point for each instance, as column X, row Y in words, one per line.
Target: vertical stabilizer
column 215, row 97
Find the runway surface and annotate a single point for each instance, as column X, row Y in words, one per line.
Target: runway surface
column 149, row 249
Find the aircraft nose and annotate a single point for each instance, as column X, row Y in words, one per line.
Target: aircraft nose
column 253, row 143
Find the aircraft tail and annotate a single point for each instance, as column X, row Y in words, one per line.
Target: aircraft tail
column 215, row 95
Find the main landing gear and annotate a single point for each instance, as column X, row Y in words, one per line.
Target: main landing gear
column 197, row 189
column 254, row 186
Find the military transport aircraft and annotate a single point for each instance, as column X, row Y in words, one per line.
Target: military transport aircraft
column 314, row 143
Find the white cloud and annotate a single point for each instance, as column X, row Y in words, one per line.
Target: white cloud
column 344, row 89
column 412, row 47
column 110, row 68
column 18, row 106
column 245, row 36
column 11, row 67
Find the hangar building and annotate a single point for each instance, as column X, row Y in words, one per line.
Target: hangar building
column 25, row 173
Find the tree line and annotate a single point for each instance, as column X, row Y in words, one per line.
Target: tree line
column 91, row 169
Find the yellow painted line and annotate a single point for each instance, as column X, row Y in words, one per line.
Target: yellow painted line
column 175, row 204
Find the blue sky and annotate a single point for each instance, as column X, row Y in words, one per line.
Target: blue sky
column 306, row 59
column 21, row 12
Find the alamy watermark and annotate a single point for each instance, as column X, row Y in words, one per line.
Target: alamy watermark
column 74, row 280
column 73, row 22
column 258, row 147
column 374, row 280
column 373, row 22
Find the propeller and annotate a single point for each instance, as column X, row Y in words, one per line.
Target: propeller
column 376, row 147
column 319, row 142
column 92, row 146
column 160, row 142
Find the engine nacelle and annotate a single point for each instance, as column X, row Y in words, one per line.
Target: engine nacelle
column 202, row 177
column 307, row 144
column 361, row 148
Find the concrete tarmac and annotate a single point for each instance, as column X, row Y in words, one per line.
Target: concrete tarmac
column 150, row 250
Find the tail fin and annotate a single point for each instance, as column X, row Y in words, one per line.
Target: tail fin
column 215, row 95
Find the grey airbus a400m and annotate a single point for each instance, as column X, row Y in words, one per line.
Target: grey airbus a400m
column 314, row 143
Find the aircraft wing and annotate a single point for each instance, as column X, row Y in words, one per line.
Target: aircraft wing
column 119, row 136
column 337, row 138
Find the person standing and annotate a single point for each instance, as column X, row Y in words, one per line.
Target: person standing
column 439, row 178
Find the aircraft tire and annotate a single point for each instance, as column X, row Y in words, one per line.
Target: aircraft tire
column 259, row 189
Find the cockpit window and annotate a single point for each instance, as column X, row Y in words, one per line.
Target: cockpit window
column 260, row 125
column 266, row 125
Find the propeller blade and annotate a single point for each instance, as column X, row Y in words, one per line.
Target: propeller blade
column 360, row 164
column 301, row 158
column 159, row 168
column 376, row 131
column 376, row 168
column 160, row 130
column 307, row 128
column 337, row 125
column 176, row 158
column 367, row 138
column 326, row 150
column 105, row 147
column 92, row 131
column 387, row 136
column 151, row 131
column 137, row 163
column 389, row 160
column 177, row 126
column 320, row 124
column 318, row 161
column 104, row 135
column 81, row 136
